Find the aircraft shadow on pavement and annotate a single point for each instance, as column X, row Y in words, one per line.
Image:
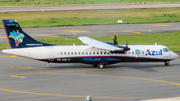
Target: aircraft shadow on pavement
column 150, row 67
column 138, row 66
column 147, row 67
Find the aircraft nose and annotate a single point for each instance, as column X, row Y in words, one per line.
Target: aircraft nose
column 175, row 55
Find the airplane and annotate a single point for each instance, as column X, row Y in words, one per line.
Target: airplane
column 94, row 52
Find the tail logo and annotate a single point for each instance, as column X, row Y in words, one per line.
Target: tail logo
column 17, row 36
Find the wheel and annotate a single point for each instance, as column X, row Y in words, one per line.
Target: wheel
column 101, row 66
column 95, row 65
column 166, row 63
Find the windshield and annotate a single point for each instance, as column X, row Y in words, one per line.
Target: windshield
column 165, row 50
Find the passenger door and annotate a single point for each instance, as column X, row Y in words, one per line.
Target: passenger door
column 51, row 56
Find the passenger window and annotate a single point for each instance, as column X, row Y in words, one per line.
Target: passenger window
column 93, row 52
column 86, row 53
column 79, row 53
column 104, row 52
column 142, row 52
column 97, row 52
column 82, row 53
column 61, row 53
column 68, row 53
column 64, row 53
column 132, row 52
column 89, row 53
column 75, row 53
column 71, row 53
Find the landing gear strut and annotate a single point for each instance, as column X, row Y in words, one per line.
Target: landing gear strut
column 47, row 65
column 102, row 65
column 166, row 63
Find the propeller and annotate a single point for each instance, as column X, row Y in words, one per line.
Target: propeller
column 127, row 48
column 115, row 39
column 116, row 43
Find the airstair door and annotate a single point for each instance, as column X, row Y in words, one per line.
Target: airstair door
column 51, row 56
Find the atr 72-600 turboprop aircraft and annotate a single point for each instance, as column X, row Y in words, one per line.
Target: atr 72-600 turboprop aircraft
column 93, row 52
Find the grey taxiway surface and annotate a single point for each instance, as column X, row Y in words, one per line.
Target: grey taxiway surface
column 107, row 7
column 28, row 80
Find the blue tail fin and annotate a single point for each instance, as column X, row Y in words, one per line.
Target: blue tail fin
column 17, row 37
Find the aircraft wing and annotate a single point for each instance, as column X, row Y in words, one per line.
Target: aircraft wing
column 98, row 44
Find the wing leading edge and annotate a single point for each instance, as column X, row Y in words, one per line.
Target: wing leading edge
column 98, row 44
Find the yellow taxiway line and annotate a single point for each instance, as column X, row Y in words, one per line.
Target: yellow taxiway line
column 159, row 24
column 9, row 56
column 132, row 32
column 16, row 76
column 72, row 95
column 75, row 31
column 47, row 35
column 3, row 37
column 59, row 73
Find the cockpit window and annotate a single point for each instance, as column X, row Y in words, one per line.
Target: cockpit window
column 165, row 50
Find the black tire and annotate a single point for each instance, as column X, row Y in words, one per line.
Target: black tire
column 101, row 66
column 166, row 63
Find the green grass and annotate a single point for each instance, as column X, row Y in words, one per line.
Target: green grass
column 92, row 17
column 4, row 46
column 27, row 3
column 171, row 40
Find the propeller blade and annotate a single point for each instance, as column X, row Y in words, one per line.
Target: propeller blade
column 127, row 48
column 126, row 43
column 115, row 39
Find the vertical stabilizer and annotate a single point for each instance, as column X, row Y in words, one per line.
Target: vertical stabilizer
column 17, row 37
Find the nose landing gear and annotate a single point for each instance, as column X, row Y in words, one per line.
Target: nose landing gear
column 166, row 63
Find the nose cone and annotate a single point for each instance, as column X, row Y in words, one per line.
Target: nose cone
column 175, row 55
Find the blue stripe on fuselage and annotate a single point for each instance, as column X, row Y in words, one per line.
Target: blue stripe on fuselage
column 109, row 59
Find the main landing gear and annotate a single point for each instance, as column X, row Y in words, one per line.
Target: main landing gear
column 166, row 63
column 100, row 65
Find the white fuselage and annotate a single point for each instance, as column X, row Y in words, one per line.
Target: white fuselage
column 137, row 53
